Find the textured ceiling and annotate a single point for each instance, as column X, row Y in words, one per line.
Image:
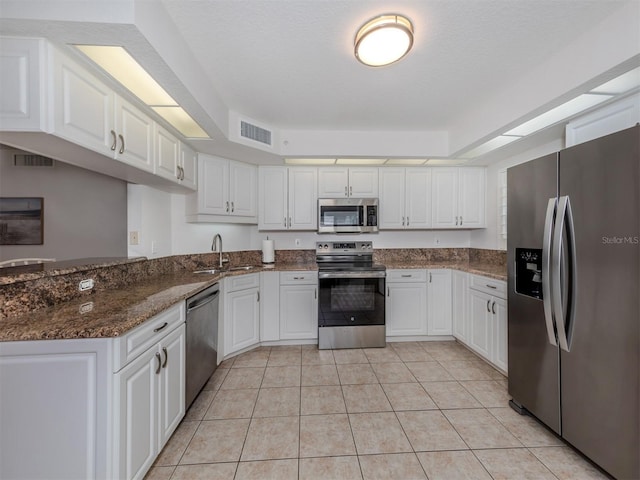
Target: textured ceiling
column 290, row 63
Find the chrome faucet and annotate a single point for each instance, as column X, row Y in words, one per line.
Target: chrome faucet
column 214, row 247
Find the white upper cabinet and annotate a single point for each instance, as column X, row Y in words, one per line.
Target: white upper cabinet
column 167, row 154
column 459, row 197
column 288, row 198
column 134, row 137
column 189, row 166
column 357, row 182
column 405, row 198
column 227, row 192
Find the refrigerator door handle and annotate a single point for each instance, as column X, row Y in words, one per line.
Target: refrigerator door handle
column 560, row 297
column 546, row 271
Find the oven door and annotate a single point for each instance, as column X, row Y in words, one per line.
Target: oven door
column 351, row 298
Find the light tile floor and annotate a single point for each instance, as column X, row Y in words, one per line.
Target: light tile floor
column 412, row 410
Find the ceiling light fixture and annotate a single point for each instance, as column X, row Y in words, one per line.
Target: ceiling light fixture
column 383, row 40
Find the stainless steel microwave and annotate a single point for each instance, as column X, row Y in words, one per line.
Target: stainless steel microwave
column 347, row 215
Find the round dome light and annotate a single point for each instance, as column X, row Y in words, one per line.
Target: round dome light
column 383, row 40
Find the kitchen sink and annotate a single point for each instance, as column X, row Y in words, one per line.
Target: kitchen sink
column 243, row 267
column 214, row 271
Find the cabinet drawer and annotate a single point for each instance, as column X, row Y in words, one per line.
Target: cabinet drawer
column 242, row 282
column 408, row 275
column 299, row 278
column 135, row 342
column 489, row 285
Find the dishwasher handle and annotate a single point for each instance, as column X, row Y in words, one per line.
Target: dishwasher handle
column 202, row 301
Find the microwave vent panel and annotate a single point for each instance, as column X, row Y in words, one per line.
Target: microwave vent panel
column 31, row 160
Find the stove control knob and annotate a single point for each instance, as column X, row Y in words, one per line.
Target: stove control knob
column 326, row 246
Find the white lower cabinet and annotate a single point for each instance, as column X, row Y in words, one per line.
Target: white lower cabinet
column 298, row 305
column 406, row 303
column 241, row 312
column 269, row 306
column 459, row 313
column 439, row 302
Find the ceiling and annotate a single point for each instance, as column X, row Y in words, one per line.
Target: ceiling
column 477, row 66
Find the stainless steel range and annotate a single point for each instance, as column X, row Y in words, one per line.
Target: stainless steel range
column 352, row 296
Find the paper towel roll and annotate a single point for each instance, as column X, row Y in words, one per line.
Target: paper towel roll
column 268, row 251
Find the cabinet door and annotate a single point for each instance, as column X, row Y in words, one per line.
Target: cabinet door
column 298, row 312
column 363, row 182
column 273, row 198
column 134, row 132
column 439, row 302
column 243, row 189
column 445, row 197
column 391, row 215
column 83, row 107
column 481, row 319
column 136, row 394
column 418, row 197
column 166, row 154
column 471, row 197
column 333, row 182
column 189, row 164
column 242, row 319
column 406, row 309
column 460, row 289
column 213, row 191
column 172, row 384
column 303, row 198
column 269, row 306
column 500, row 338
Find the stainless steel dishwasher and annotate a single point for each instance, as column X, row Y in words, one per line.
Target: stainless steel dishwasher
column 201, row 341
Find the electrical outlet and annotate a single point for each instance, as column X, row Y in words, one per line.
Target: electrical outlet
column 133, row 238
column 86, row 284
column 298, row 242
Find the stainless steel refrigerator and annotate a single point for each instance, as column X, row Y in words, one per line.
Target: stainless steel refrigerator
column 573, row 230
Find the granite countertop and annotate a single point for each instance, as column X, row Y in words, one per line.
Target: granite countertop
column 496, row 272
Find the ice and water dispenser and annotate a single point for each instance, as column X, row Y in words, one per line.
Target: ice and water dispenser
column 529, row 272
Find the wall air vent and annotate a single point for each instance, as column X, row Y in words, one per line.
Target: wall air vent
column 31, row 160
column 253, row 132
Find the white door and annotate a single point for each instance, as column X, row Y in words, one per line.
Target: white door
column 439, row 302
column 333, row 182
column 134, row 130
column 391, row 214
column 241, row 323
column 406, row 309
column 460, row 292
column 471, row 197
column 481, row 318
column 418, row 197
column 298, row 312
column 500, row 337
column 273, row 198
column 363, row 182
column 189, row 164
column 172, row 385
column 243, row 189
column 445, row 197
column 166, row 153
column 303, row 198
column 213, row 191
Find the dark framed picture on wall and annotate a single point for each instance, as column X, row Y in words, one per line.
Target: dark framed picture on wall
column 21, row 221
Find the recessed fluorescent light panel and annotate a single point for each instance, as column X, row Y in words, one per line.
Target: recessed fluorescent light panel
column 360, row 161
column 406, row 161
column 621, row 84
column 310, row 161
column 446, row 161
column 492, row 144
column 118, row 63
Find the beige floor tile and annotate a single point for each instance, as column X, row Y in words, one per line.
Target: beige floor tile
column 488, row 392
column 428, row 371
column 177, row 444
column 290, row 348
column 349, row 355
column 248, row 377
column 392, row 373
column 513, row 464
column 448, row 395
column 268, row 470
column 408, row 396
column 216, row 441
column 460, row 465
column 216, row 379
column 378, row 433
column 208, row 471
column 411, row 352
column 159, row 473
column 199, row 406
column 278, row 402
column 253, row 358
column 566, row 464
column 403, row 466
column 272, row 438
column 479, row 429
column 281, row 377
column 356, row 374
column 232, row 404
column 281, row 358
column 465, row 370
column 319, row 375
column 525, row 428
column 326, row 436
column 323, row 399
column 330, row 468
column 228, row 363
column 365, row 398
column 429, row 431
column 381, row 355
column 317, row 357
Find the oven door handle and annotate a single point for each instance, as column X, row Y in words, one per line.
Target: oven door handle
column 376, row 274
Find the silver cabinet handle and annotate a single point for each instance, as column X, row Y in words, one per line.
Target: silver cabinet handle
column 346, row 194
column 491, row 286
column 493, row 308
column 289, row 222
column 258, row 292
column 285, row 222
column 166, row 357
column 407, row 221
column 315, row 293
column 227, row 207
column 546, row 271
column 350, row 191
column 159, row 367
column 121, row 151
column 403, row 221
column 182, row 173
column 406, row 275
column 232, row 207
column 115, row 140
column 388, row 292
column 489, row 306
column 430, row 277
column 161, row 327
column 461, row 220
column 456, row 220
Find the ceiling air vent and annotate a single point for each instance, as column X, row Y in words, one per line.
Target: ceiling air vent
column 31, row 160
column 253, row 132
